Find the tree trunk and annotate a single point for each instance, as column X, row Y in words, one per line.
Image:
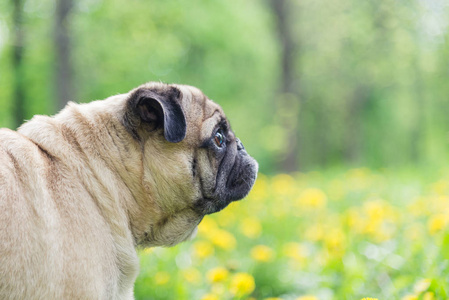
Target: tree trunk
column 354, row 120
column 289, row 86
column 18, row 48
column 63, row 64
column 417, row 136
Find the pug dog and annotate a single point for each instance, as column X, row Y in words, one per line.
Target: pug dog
column 79, row 191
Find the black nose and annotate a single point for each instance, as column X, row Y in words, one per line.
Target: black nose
column 239, row 145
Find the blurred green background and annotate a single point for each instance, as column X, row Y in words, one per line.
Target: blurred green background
column 307, row 85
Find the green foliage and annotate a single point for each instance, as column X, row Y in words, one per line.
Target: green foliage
column 370, row 77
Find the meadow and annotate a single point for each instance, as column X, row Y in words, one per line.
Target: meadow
column 335, row 235
column 307, row 85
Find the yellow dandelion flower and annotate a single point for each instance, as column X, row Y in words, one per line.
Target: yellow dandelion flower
column 223, row 239
column 147, row 250
column 283, row 184
column 207, row 226
column 260, row 188
column 262, row 253
column 441, row 204
column 436, row 223
column 161, row 278
column 429, row 296
column 379, row 219
column 307, row 297
column 203, row 249
column 410, row 297
column 295, row 251
column 226, row 217
column 312, row 198
column 335, row 240
column 210, row 297
column 371, row 226
column 251, row 227
column 192, row 275
column 354, row 219
column 218, row 274
column 375, row 210
column 242, row 284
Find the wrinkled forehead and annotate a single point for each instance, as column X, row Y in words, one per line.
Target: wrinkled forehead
column 201, row 110
column 196, row 103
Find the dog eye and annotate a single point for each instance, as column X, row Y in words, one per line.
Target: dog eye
column 219, row 138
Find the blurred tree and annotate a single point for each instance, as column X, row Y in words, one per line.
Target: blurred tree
column 418, row 130
column 306, row 84
column 17, row 62
column 289, row 85
column 62, row 42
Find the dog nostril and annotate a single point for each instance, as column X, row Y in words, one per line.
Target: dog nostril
column 240, row 145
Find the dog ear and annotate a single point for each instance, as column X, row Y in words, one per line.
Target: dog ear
column 161, row 108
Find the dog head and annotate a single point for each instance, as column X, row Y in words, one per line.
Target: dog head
column 192, row 159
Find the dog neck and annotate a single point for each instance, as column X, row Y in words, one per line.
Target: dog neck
column 121, row 187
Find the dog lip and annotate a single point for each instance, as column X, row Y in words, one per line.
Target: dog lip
column 242, row 178
column 236, row 175
column 208, row 206
column 231, row 177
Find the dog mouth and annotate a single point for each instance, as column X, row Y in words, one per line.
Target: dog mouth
column 237, row 185
column 207, row 206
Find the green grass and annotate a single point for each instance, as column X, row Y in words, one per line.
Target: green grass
column 331, row 235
